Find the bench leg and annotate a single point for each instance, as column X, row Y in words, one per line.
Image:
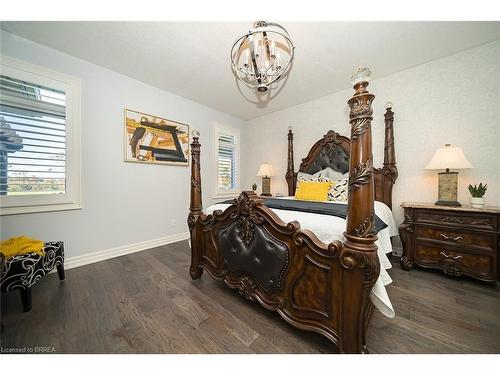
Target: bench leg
column 26, row 298
column 60, row 271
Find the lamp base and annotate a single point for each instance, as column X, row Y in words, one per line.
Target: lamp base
column 448, row 203
column 447, row 196
column 266, row 187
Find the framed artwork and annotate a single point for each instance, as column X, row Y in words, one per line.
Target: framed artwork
column 152, row 139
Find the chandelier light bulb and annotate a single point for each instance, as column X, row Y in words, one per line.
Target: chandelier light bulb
column 262, row 56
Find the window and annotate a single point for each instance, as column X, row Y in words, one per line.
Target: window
column 39, row 139
column 227, row 150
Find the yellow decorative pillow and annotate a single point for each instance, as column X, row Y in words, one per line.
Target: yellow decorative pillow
column 313, row 190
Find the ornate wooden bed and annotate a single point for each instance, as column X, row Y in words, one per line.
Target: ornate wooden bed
column 314, row 286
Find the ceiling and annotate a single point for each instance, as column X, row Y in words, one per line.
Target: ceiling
column 192, row 59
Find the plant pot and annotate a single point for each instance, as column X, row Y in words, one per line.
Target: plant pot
column 477, row 202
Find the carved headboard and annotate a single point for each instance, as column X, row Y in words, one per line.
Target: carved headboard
column 333, row 151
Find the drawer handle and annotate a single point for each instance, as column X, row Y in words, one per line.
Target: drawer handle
column 456, row 257
column 457, row 238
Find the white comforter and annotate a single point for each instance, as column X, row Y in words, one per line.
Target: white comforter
column 329, row 228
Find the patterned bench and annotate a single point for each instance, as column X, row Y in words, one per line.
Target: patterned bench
column 23, row 271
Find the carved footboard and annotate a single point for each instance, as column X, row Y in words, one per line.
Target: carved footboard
column 314, row 286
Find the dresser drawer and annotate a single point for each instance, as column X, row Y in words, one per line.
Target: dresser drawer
column 456, row 261
column 457, row 219
column 451, row 236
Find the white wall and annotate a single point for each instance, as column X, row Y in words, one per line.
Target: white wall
column 450, row 100
column 123, row 203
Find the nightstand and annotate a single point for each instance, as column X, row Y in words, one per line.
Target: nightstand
column 457, row 240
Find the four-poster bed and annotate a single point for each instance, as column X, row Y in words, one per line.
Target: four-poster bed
column 313, row 285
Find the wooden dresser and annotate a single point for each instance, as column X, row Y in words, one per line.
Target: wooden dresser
column 457, row 240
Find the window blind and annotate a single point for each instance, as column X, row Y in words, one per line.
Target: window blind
column 32, row 138
column 227, row 162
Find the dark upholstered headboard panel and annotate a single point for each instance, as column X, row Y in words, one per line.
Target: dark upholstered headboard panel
column 333, row 151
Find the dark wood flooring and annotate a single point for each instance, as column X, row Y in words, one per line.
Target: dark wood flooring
column 146, row 303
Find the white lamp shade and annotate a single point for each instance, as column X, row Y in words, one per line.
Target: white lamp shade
column 449, row 157
column 266, row 170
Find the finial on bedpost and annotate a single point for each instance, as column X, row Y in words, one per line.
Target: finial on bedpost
column 290, row 170
column 195, row 209
column 359, row 258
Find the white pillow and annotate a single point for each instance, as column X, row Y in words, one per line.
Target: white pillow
column 334, row 175
column 324, row 173
column 318, row 176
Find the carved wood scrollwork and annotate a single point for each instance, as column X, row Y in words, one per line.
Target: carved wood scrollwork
column 332, row 137
column 247, row 231
column 366, row 228
column 361, row 106
column 196, row 184
column 192, row 221
column 452, row 268
column 246, row 288
column 246, row 203
column 455, row 219
column 371, row 267
column 348, row 259
column 405, row 230
column 370, row 264
column 406, row 263
column 405, row 227
column 360, row 127
column 360, row 175
column 195, row 151
column 388, row 171
column 361, row 112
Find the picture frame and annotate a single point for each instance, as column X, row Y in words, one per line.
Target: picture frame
column 152, row 139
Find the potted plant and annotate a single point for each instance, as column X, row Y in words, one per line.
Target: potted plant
column 477, row 195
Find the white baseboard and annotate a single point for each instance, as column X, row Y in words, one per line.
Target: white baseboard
column 98, row 256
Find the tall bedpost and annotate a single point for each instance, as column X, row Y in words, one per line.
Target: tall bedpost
column 389, row 170
column 290, row 170
column 359, row 260
column 195, row 208
column 389, row 151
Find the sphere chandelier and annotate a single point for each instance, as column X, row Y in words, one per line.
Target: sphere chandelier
column 263, row 55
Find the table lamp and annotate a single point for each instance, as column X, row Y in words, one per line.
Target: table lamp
column 448, row 157
column 266, row 171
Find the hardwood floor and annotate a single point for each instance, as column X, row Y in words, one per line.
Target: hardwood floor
column 146, row 303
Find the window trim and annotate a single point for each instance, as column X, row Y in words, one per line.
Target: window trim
column 219, row 193
column 71, row 200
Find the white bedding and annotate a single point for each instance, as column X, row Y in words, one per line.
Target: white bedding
column 329, row 228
